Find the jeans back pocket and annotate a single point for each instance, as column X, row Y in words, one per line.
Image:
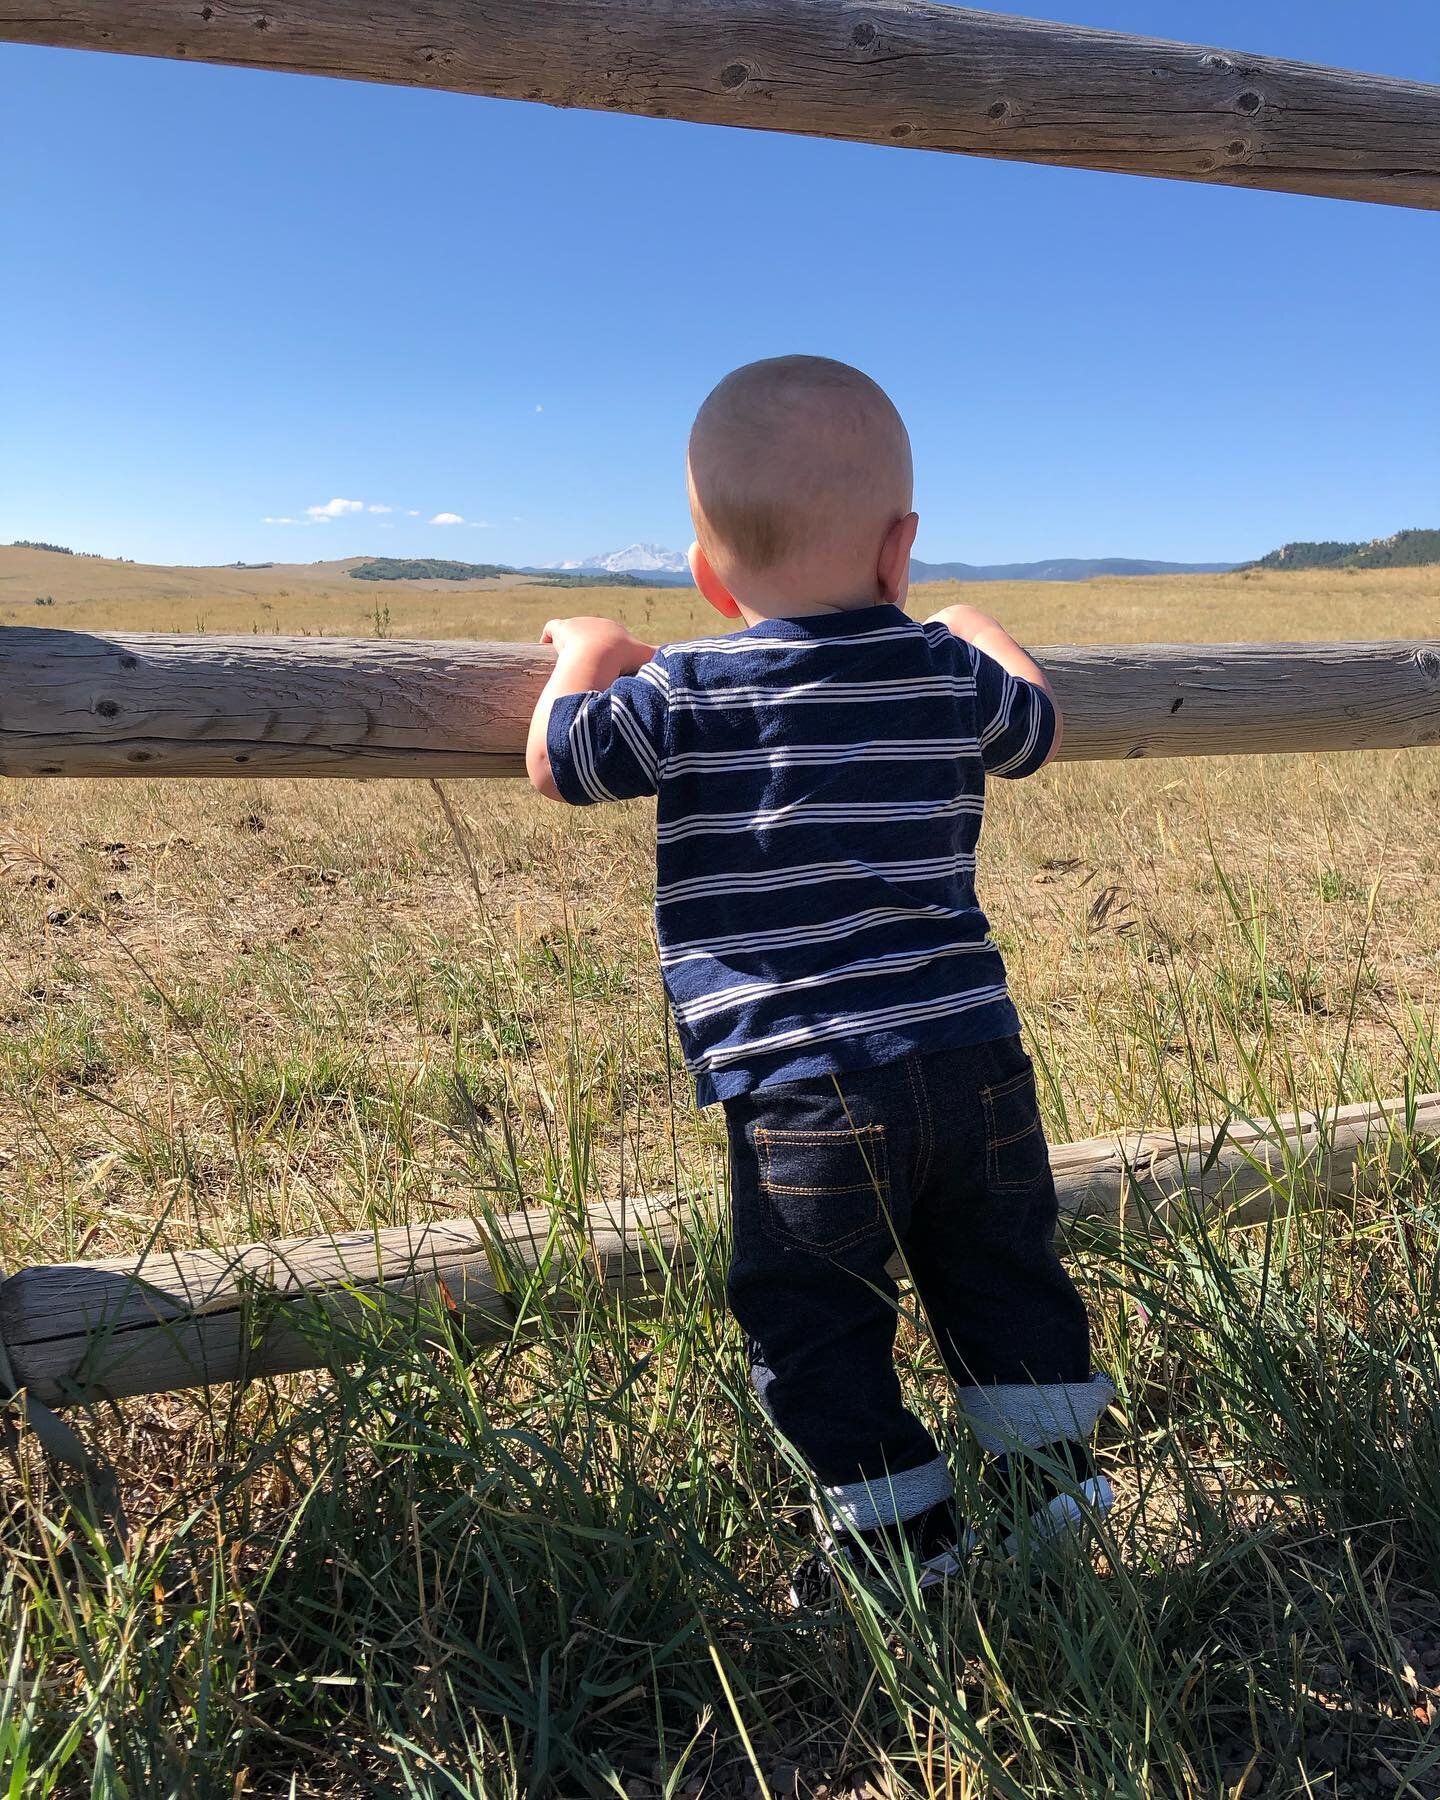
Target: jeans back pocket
column 823, row 1191
column 1016, row 1155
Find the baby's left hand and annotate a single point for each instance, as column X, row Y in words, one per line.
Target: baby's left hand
column 603, row 643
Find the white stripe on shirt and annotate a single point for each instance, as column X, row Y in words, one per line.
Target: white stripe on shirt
column 823, row 693
column 854, row 1025
column 581, row 744
column 1026, row 750
column 742, row 643
column 633, row 732
column 819, row 812
column 783, row 936
column 819, row 756
column 894, row 962
column 797, row 875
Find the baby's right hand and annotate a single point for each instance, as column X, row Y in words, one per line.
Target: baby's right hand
column 966, row 622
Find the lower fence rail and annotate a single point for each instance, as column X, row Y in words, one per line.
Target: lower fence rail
column 83, row 1332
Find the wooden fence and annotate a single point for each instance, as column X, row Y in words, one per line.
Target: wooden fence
column 904, row 73
column 84, row 703
column 134, row 1325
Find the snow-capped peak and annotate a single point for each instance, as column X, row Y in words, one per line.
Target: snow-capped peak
column 634, row 559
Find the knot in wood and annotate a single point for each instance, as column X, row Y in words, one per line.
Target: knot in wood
column 735, row 75
column 1249, row 102
column 863, row 36
column 107, row 709
column 902, row 130
column 1428, row 663
column 998, row 110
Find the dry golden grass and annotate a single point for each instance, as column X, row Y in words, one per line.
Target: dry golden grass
column 231, row 1009
column 326, row 933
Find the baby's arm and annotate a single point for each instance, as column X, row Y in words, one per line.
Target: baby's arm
column 993, row 640
column 589, row 654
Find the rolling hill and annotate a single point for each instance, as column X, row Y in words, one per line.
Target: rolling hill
column 1412, row 549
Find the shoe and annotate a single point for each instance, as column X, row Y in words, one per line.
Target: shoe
column 934, row 1543
column 1049, row 1493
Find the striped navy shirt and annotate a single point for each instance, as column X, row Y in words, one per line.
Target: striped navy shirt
column 821, row 784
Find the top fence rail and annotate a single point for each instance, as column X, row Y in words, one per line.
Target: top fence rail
column 904, row 73
column 84, row 703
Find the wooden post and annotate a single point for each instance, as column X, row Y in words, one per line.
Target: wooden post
column 81, row 703
column 102, row 1330
column 906, row 73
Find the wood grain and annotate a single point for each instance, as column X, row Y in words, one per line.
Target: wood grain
column 82, row 703
column 903, row 73
column 81, row 1332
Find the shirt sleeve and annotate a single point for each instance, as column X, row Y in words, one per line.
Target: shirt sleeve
column 609, row 745
column 1015, row 719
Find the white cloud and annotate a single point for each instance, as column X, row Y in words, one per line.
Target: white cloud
column 539, row 409
column 447, row 519
column 335, row 509
column 414, row 511
column 376, row 506
column 480, row 525
column 280, row 519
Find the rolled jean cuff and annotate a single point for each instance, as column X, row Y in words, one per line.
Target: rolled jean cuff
column 862, row 1505
column 1026, row 1415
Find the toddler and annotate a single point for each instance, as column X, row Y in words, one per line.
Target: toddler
column 821, row 776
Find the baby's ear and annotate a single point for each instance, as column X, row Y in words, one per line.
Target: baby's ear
column 893, row 570
column 710, row 584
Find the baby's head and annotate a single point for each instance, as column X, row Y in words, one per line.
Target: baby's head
column 800, row 486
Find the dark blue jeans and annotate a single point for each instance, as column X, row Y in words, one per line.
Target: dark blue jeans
column 943, row 1159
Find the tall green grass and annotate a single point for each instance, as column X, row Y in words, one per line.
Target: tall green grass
column 558, row 1566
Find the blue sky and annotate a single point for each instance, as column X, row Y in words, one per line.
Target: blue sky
column 232, row 297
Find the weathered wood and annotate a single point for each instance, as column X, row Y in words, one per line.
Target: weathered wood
column 906, row 73
column 87, row 1331
column 79, row 703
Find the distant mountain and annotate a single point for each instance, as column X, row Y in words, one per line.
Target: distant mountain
column 668, row 568
column 634, row 559
column 1405, row 550
column 1061, row 568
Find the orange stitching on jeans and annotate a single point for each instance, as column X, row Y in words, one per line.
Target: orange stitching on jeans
column 997, row 1090
column 994, row 1143
column 878, row 1186
column 923, row 1113
column 848, row 1132
column 854, row 1187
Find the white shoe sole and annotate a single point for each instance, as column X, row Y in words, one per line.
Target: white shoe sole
column 930, row 1573
column 1067, row 1515
column 1064, row 1516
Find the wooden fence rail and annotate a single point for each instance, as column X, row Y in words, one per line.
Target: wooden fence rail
column 83, row 703
column 904, row 73
column 102, row 1330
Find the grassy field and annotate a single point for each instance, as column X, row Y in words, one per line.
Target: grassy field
column 245, row 1009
